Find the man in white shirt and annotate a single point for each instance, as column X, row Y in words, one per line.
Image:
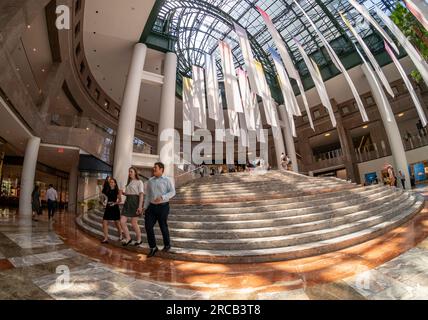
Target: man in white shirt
column 160, row 190
column 51, row 198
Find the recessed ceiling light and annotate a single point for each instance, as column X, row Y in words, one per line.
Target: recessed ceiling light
column 29, row 27
column 34, row 49
column 328, row 134
column 365, row 127
column 401, row 114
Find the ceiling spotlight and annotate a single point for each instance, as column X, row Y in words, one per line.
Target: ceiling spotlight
column 365, row 127
column 401, row 114
column 29, row 27
column 327, row 134
column 34, row 49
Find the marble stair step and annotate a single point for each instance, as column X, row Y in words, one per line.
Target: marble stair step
column 287, row 240
column 259, row 232
column 282, row 253
column 292, row 203
column 256, row 196
column 268, row 201
column 297, row 251
column 213, row 192
column 276, row 218
column 258, row 184
column 275, row 210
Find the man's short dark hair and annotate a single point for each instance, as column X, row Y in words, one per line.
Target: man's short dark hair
column 160, row 165
column 51, row 186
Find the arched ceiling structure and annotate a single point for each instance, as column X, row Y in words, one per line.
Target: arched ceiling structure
column 198, row 25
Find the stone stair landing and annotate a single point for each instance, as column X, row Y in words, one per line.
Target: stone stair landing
column 246, row 218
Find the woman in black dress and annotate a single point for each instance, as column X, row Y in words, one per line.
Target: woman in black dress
column 35, row 202
column 112, row 212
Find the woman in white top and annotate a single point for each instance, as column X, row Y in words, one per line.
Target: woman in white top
column 133, row 207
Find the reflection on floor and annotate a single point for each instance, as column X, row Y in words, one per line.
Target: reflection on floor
column 43, row 260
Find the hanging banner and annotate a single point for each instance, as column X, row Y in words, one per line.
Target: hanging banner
column 419, row 8
column 234, row 128
column 248, row 58
column 288, row 62
column 247, row 100
column 259, row 123
column 199, row 104
column 266, row 95
column 369, row 54
column 366, row 14
column 188, row 126
column 318, row 81
column 416, row 57
column 233, row 97
column 286, row 88
column 409, row 85
column 338, row 65
column 220, row 133
column 378, row 87
column 213, row 92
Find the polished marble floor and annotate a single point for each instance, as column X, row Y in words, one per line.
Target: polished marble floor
column 42, row 260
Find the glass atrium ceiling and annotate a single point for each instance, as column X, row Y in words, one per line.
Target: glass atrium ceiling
column 198, row 25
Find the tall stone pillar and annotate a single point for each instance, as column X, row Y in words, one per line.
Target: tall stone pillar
column 347, row 149
column 167, row 115
column 27, row 177
column 128, row 115
column 391, row 127
column 289, row 140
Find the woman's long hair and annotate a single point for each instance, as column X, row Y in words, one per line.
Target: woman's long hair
column 137, row 177
column 116, row 187
column 36, row 189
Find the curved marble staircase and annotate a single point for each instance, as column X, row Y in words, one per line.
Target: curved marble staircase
column 245, row 218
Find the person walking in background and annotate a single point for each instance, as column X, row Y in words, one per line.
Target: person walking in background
column 51, row 198
column 35, row 202
column 133, row 207
column 402, row 178
column 160, row 191
column 112, row 211
column 391, row 176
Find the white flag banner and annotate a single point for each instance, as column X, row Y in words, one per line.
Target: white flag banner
column 385, row 102
column 247, row 100
column 291, row 69
column 409, row 85
column 213, row 92
column 200, row 107
column 188, row 126
column 287, row 90
column 234, row 123
column 318, row 81
column 416, row 57
column 220, row 133
column 366, row 14
column 266, row 95
column 259, row 122
column 244, row 130
column 419, row 8
column 370, row 55
column 231, row 87
column 248, row 58
column 338, row 65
